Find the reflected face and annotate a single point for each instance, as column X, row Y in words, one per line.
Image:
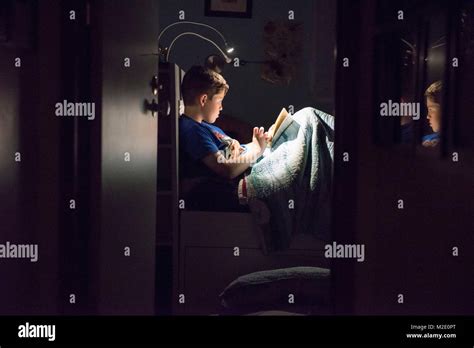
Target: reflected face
column 212, row 107
column 434, row 114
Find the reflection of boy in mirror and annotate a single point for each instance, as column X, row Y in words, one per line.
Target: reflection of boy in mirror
column 433, row 104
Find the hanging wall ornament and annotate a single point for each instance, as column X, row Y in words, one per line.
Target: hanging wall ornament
column 282, row 49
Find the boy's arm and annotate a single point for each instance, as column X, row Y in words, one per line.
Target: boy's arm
column 234, row 166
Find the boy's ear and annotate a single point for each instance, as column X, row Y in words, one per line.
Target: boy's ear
column 202, row 99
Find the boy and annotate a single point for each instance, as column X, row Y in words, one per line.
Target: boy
column 211, row 162
column 433, row 104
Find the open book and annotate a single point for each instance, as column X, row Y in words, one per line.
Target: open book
column 282, row 121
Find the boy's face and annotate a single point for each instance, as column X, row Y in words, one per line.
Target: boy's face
column 212, row 107
column 434, row 114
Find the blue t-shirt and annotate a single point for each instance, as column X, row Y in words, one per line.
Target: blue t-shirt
column 200, row 139
column 431, row 139
column 196, row 140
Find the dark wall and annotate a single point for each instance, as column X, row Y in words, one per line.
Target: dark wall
column 252, row 99
column 82, row 250
column 29, row 204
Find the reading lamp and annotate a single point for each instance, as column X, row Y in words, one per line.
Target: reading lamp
column 165, row 52
column 214, row 61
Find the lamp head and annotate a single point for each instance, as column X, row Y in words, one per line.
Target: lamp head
column 229, row 48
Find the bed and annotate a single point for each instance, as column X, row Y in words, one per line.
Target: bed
column 207, row 257
column 213, row 249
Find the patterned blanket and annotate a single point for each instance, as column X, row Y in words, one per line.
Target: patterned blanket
column 294, row 179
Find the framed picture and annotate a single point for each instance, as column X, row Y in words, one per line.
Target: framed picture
column 228, row 8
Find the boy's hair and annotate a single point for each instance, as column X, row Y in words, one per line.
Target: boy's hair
column 200, row 80
column 434, row 91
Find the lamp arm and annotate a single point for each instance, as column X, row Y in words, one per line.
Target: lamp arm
column 195, row 23
column 228, row 60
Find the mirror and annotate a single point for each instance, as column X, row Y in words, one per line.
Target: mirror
column 410, row 62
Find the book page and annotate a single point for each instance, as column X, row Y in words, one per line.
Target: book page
column 281, row 117
column 279, row 126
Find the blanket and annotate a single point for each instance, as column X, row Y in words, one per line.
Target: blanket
column 294, row 179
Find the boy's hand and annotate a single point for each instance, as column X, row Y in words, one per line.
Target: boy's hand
column 430, row 143
column 236, row 148
column 270, row 132
column 260, row 138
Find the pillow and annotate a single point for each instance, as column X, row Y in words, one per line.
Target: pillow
column 310, row 287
